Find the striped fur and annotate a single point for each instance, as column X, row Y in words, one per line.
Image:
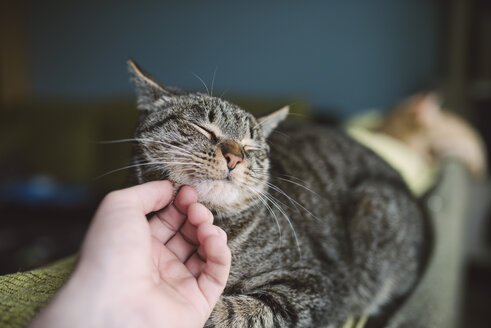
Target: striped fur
column 347, row 239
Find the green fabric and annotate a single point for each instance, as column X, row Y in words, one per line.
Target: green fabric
column 23, row 294
column 355, row 322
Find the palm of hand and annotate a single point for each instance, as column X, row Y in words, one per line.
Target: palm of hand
column 184, row 253
column 177, row 262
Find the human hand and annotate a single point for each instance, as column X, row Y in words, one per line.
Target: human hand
column 168, row 271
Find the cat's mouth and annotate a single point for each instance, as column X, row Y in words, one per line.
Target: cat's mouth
column 227, row 193
column 226, row 178
column 209, row 184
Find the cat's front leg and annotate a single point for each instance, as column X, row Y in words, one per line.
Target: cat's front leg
column 278, row 306
column 254, row 310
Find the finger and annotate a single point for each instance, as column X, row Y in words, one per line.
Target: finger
column 195, row 264
column 197, row 215
column 147, row 197
column 121, row 217
column 169, row 266
column 166, row 223
column 208, row 230
column 187, row 196
column 205, row 230
column 181, row 247
column 213, row 278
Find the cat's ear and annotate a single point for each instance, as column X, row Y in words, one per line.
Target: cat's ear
column 425, row 108
column 269, row 122
column 148, row 89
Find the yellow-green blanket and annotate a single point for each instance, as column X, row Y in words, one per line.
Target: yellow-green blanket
column 23, row 294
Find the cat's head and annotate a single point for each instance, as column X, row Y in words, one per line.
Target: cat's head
column 202, row 141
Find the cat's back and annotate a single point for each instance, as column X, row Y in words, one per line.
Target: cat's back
column 337, row 182
column 362, row 220
column 326, row 158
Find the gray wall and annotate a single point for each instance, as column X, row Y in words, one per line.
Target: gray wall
column 347, row 54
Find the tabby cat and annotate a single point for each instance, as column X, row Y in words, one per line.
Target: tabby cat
column 320, row 228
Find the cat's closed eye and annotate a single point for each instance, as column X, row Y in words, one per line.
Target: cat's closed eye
column 206, row 132
column 249, row 148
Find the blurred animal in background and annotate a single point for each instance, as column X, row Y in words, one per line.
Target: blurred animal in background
column 420, row 122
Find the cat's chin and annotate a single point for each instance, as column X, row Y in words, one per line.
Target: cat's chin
column 217, row 192
column 222, row 196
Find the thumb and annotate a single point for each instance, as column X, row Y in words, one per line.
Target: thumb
column 120, row 220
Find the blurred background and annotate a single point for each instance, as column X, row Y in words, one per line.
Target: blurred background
column 64, row 88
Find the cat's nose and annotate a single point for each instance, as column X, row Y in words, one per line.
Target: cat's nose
column 232, row 152
column 232, row 160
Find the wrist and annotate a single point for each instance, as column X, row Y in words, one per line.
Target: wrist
column 83, row 301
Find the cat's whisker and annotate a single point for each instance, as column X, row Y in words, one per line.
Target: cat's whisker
column 258, row 171
column 283, row 134
column 203, row 82
column 135, row 160
column 173, row 152
column 297, row 184
column 287, row 218
column 172, row 155
column 275, row 199
column 186, row 149
column 275, row 202
column 182, row 144
column 143, row 164
column 291, row 176
column 278, row 189
column 259, row 174
column 293, row 201
column 270, row 210
column 176, row 156
column 186, row 171
column 143, row 140
column 213, row 81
